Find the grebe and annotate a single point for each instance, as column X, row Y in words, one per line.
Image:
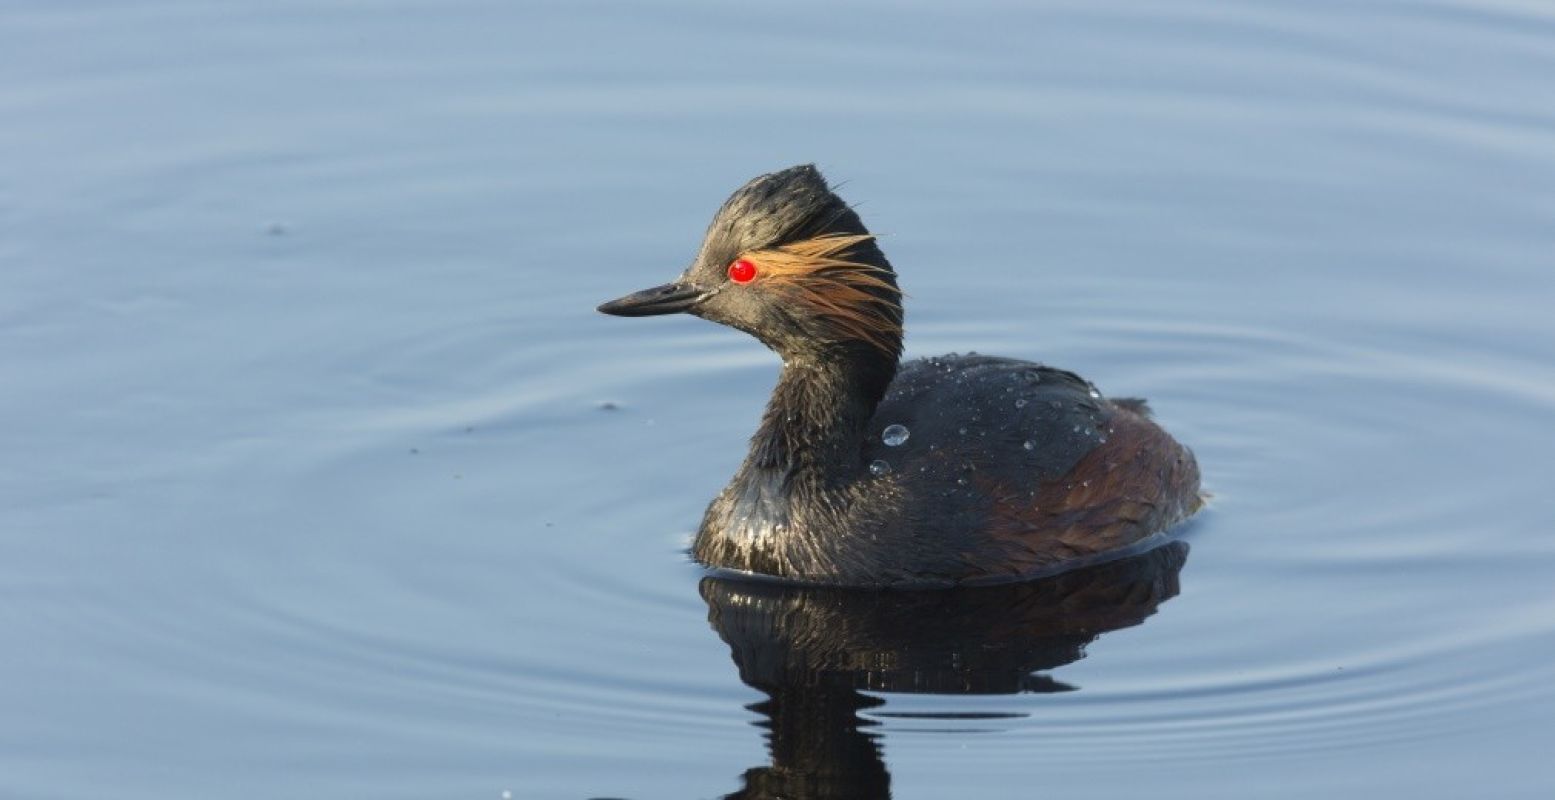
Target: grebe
column 866, row 472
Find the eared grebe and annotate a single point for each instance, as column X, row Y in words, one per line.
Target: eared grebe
column 947, row 470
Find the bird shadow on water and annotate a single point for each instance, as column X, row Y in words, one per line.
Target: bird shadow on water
column 814, row 651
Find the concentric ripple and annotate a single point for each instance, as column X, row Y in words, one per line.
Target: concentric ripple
column 322, row 478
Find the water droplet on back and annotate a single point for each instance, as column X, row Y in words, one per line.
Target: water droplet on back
column 879, row 466
column 1029, row 445
column 1020, row 402
column 894, row 435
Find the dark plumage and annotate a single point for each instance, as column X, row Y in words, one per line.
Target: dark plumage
column 1009, row 468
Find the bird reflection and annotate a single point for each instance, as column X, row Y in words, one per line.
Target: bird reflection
column 814, row 650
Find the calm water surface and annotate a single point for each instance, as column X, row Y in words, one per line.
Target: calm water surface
column 310, row 488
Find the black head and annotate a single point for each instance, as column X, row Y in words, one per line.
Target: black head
column 789, row 262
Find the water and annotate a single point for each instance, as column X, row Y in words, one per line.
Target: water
column 321, row 477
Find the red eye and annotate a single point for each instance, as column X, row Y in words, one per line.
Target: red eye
column 742, row 271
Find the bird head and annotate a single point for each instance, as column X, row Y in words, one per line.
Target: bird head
column 786, row 260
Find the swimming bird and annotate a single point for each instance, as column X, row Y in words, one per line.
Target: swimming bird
column 865, row 471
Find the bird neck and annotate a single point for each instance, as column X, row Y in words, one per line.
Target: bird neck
column 815, row 423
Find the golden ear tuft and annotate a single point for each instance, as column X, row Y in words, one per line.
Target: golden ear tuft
column 843, row 291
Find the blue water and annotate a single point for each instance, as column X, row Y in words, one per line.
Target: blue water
column 309, row 487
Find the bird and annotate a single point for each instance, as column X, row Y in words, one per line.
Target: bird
column 867, row 471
